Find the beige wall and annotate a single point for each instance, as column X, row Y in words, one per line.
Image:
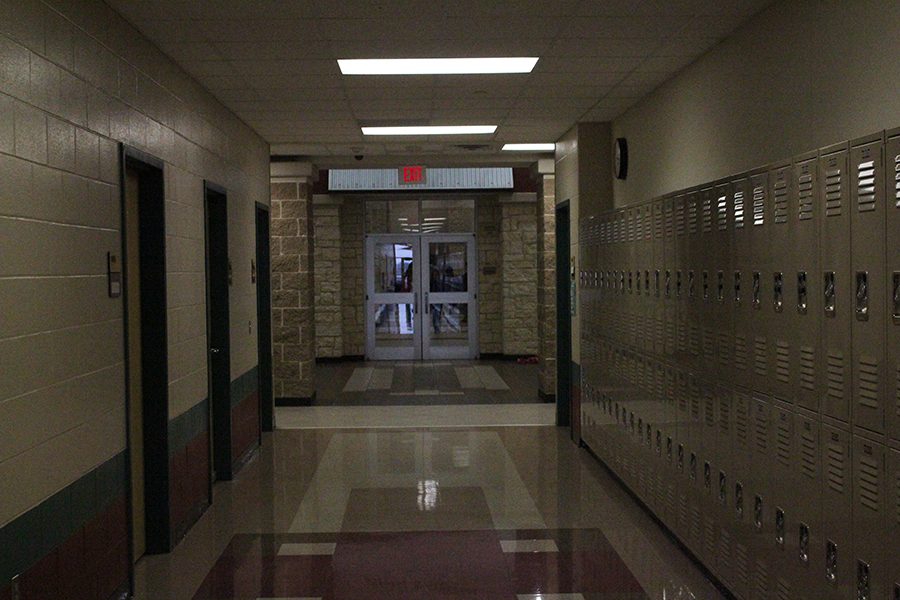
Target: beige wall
column 519, row 238
column 802, row 74
column 75, row 79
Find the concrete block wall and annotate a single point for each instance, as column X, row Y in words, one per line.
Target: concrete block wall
column 327, row 257
column 519, row 233
column 490, row 274
column 546, row 284
column 75, row 80
column 353, row 320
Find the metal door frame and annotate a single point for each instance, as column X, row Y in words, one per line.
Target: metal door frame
column 413, row 352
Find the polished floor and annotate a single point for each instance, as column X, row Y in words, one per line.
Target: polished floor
column 482, row 513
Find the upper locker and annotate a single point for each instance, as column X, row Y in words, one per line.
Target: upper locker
column 804, row 229
column 761, row 285
column 834, row 287
column 669, row 312
column 892, row 418
column 705, row 271
column 868, row 277
column 741, row 280
column 779, row 306
column 682, row 252
column 722, row 280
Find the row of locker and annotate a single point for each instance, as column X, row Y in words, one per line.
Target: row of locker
column 775, row 501
column 784, row 280
column 741, row 369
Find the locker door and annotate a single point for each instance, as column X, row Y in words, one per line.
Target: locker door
column 870, row 519
column 806, row 302
column 806, row 484
column 833, row 282
column 706, row 532
column 759, row 497
column 868, row 276
column 669, row 312
column 723, row 282
column 741, row 280
column 692, row 282
column 630, row 258
column 893, row 525
column 783, row 541
column 656, row 275
column 645, row 269
column 833, row 562
column 682, row 258
column 782, row 318
column 705, row 271
column 761, row 284
column 724, row 458
column 892, row 417
column 741, row 513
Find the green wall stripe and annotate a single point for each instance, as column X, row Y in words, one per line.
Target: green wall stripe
column 244, row 385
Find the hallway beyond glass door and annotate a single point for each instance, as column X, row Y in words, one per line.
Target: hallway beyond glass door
column 421, row 297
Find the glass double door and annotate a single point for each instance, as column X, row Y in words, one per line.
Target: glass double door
column 421, row 300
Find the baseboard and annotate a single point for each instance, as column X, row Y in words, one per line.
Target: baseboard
column 294, row 401
column 501, row 356
column 341, row 359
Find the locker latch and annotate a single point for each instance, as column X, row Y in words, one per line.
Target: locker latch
column 829, row 294
column 802, row 302
column 758, row 513
column 649, row 435
column 863, row 587
column 831, row 561
column 779, row 527
column 669, row 449
column 678, row 283
column 804, row 543
column 630, row 283
column 707, row 475
column 658, row 441
column 691, row 283
column 668, row 283
column 739, row 500
column 693, row 467
column 862, row 295
column 647, row 282
column 656, row 282
column 896, row 311
column 622, row 281
column 723, row 488
column 757, row 276
column 637, row 282
column 680, row 458
column 720, row 288
column 737, row 287
column 778, row 291
column 705, row 285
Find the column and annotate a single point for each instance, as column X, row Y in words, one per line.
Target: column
column 546, row 267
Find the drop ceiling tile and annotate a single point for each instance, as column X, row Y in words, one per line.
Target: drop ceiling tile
column 292, row 82
column 214, row 68
column 501, row 8
column 271, row 50
column 566, row 103
column 259, row 30
column 565, row 91
column 387, row 93
column 227, row 82
column 279, row 94
column 556, row 64
column 625, row 27
column 630, row 91
column 473, row 115
column 717, row 26
column 603, row 47
column 690, row 47
column 185, row 51
column 171, row 31
column 439, row 47
column 387, row 81
column 596, row 80
column 673, row 64
column 230, row 97
column 601, row 114
column 646, row 78
column 471, row 103
column 323, row 66
column 299, row 149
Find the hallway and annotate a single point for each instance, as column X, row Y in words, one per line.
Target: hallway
column 494, row 513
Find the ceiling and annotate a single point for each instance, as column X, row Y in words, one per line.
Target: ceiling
column 273, row 62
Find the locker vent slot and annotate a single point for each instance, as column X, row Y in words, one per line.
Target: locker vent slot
column 897, row 181
column 709, row 413
column 741, row 427
column 868, row 383
column 738, row 203
column 679, row 219
column 724, row 417
column 781, row 202
column 807, row 368
column 835, row 467
column 805, row 198
column 783, row 444
column 835, row 365
column 761, row 432
column 722, row 212
column 740, row 352
column 783, row 589
column 658, row 225
column 725, row 350
column 761, row 579
column 741, row 563
column 833, row 200
column 692, row 216
column 869, row 484
column 759, row 356
column 759, row 206
column 725, row 548
column 808, row 454
column 782, row 361
column 709, row 344
column 707, row 215
column 897, row 395
column 866, row 186
column 896, row 485
column 709, row 535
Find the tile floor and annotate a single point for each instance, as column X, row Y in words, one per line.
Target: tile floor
column 494, row 513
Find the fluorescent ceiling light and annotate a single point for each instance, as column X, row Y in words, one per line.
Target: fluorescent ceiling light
column 530, row 147
column 431, row 130
column 437, row 66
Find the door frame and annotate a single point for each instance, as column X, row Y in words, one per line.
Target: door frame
column 563, row 316
column 219, row 404
column 372, row 298
column 154, row 351
column 264, row 318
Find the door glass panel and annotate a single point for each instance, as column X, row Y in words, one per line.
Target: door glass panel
column 393, row 265
column 449, row 324
column 394, row 325
column 448, row 267
column 392, row 216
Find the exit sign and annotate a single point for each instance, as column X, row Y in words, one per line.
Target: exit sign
column 412, row 175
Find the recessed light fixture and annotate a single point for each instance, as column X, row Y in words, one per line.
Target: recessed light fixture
column 437, row 66
column 529, row 147
column 431, row 130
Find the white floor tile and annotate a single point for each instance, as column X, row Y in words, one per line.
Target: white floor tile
column 529, row 546
column 306, row 549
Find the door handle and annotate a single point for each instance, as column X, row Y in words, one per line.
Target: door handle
column 427, row 307
column 896, row 296
column 862, row 296
column 214, row 350
column 415, row 302
column 830, row 294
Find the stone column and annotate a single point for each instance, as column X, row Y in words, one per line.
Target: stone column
column 327, row 253
column 518, row 235
column 293, row 323
column 353, row 233
column 490, row 277
column 546, row 292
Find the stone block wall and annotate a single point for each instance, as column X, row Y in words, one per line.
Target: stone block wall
column 353, row 323
column 520, row 282
column 293, row 282
column 327, row 257
column 490, row 273
column 546, row 291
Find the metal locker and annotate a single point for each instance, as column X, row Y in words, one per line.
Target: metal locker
column 705, row 277
column 691, row 281
column 657, row 268
column 833, row 282
column 892, row 170
column 758, row 497
column 869, row 519
column 806, row 485
column 725, row 529
column 832, row 561
column 629, row 260
column 779, row 306
column 760, row 288
column 741, row 280
column 805, row 302
column 668, row 295
column 710, row 399
column 722, row 266
column 682, row 258
column 739, row 482
column 784, row 500
column 892, row 530
column 868, row 276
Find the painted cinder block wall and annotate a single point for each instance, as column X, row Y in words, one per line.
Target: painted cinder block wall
column 76, row 79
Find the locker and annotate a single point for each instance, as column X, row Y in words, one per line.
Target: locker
column 740, row 481
column 870, row 519
column 682, row 254
column 868, row 276
column 741, row 280
column 783, row 491
column 832, row 561
column 725, row 531
column 834, row 282
column 691, row 278
column 758, row 495
column 806, row 484
column 705, row 270
column 805, row 307
column 892, row 169
column 658, row 266
column 779, row 307
column 721, row 265
column 668, row 296
column 892, row 531
column 706, row 451
column 761, row 288
column 643, row 266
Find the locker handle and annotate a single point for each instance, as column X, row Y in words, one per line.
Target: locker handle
column 737, row 287
column 863, row 581
column 693, row 467
column 669, row 449
column 739, row 499
column 804, row 543
column 896, row 311
column 691, row 283
column 705, row 285
column 720, row 288
column 862, row 295
column 723, row 488
column 831, row 561
column 830, row 300
column 630, row 283
column 758, row 513
column 779, row 526
column 802, row 302
column 678, row 283
column 668, row 283
column 647, row 282
column 658, row 442
column 757, row 283
column 778, row 291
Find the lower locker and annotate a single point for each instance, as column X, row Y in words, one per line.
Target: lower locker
column 832, row 560
column 737, row 505
column 869, row 520
column 806, row 483
column 783, row 539
column 893, row 525
column 759, row 495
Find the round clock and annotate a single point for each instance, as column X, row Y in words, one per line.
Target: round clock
column 621, row 158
